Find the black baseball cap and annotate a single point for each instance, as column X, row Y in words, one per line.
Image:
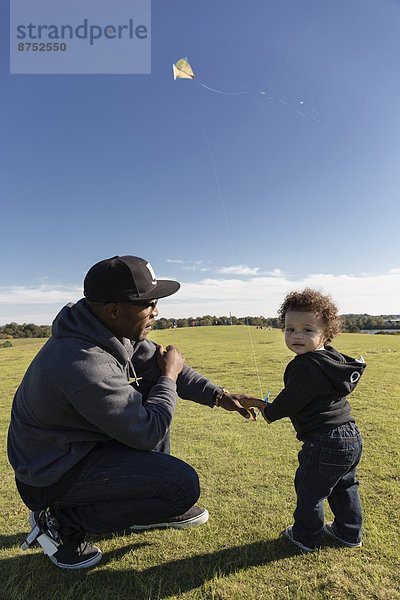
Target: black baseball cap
column 125, row 279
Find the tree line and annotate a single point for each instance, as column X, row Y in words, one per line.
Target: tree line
column 208, row 320
column 351, row 323
column 26, row 330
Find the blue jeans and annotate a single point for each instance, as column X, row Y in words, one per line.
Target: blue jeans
column 327, row 469
column 117, row 486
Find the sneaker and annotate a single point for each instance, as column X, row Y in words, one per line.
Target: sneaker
column 328, row 528
column 289, row 534
column 193, row 516
column 44, row 532
column 71, row 554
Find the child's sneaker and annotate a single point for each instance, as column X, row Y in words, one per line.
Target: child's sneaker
column 289, row 534
column 328, row 528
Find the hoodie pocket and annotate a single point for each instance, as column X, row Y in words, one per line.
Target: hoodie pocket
column 335, row 462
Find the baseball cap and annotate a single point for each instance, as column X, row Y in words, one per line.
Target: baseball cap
column 125, row 279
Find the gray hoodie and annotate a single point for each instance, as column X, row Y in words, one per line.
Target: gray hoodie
column 76, row 392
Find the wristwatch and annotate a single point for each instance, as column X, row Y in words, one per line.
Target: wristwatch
column 219, row 392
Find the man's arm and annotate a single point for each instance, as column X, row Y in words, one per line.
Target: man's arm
column 113, row 407
column 191, row 385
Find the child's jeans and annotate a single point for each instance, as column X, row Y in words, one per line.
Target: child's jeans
column 327, row 469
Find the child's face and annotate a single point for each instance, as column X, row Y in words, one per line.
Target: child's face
column 304, row 331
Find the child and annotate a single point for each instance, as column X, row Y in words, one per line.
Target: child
column 317, row 382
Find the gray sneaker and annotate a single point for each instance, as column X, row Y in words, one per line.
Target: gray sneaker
column 289, row 534
column 328, row 528
column 193, row 516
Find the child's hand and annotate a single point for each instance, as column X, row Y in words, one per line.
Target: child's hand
column 242, row 403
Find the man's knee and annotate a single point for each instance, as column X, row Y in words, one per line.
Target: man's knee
column 186, row 481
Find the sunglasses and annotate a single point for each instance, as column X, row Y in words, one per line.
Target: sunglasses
column 151, row 304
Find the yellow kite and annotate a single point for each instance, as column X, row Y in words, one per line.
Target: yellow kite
column 182, row 69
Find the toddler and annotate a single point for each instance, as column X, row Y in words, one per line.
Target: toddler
column 317, row 383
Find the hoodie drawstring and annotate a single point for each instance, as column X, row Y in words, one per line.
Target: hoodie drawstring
column 132, row 371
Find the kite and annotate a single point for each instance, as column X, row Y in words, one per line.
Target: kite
column 182, row 69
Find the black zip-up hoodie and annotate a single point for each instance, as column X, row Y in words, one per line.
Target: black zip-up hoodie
column 316, row 386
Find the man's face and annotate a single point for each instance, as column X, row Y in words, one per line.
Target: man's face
column 136, row 320
column 304, row 331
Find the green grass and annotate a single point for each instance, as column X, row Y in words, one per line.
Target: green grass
column 246, row 472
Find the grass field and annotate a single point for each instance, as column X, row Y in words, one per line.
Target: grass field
column 246, row 472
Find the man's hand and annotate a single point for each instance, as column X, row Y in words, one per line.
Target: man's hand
column 242, row 403
column 170, row 361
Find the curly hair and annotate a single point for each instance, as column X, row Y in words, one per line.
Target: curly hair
column 313, row 301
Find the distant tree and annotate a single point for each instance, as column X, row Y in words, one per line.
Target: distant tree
column 163, row 324
column 205, row 322
column 353, row 329
column 11, row 329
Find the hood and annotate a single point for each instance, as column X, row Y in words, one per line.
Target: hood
column 77, row 321
column 343, row 371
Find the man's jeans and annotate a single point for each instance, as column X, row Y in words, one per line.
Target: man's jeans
column 117, row 486
column 327, row 469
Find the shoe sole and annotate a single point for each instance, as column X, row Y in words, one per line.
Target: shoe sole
column 32, row 521
column 193, row 522
column 83, row 565
column 90, row 562
column 338, row 539
column 43, row 540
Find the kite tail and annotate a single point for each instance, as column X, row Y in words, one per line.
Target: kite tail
column 221, row 91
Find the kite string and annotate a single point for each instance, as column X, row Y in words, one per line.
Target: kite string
column 221, row 91
column 313, row 116
column 254, row 358
column 221, row 198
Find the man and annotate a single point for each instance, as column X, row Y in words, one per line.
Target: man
column 89, row 431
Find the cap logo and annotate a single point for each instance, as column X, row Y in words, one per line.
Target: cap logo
column 153, row 275
column 355, row 376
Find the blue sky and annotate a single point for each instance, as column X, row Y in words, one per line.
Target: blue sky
column 238, row 196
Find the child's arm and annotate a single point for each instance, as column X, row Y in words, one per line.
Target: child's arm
column 297, row 393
